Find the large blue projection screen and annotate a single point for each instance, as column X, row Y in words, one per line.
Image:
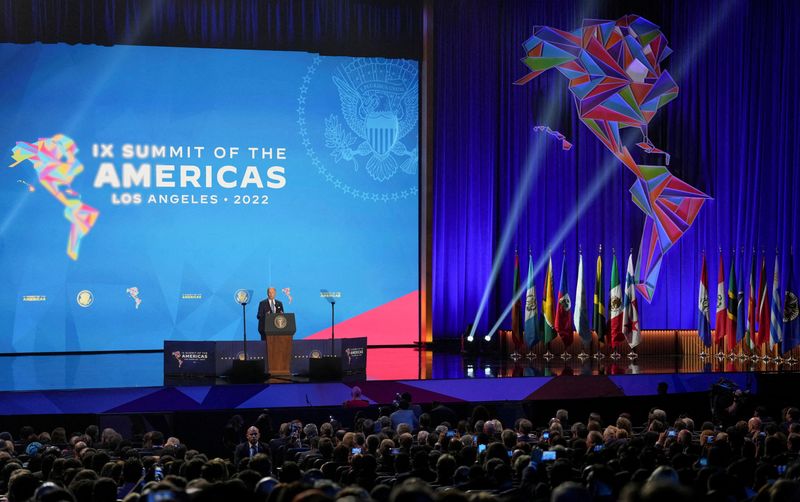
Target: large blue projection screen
column 147, row 184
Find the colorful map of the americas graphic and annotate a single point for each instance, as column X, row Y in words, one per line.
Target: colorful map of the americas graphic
column 616, row 79
column 56, row 167
column 133, row 292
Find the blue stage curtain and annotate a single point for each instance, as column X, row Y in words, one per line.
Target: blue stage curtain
column 352, row 27
column 732, row 132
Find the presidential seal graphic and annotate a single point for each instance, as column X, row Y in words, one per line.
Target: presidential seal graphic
column 242, row 296
column 315, row 354
column 366, row 146
column 85, row 298
column 280, row 321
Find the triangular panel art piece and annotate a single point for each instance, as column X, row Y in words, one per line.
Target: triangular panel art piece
column 615, row 76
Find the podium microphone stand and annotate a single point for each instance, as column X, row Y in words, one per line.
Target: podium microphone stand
column 245, row 370
column 330, row 367
column 333, row 323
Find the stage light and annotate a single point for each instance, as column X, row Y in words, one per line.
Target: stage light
column 470, row 371
column 470, row 338
column 488, row 338
column 523, row 191
column 487, row 371
column 603, row 175
column 520, row 200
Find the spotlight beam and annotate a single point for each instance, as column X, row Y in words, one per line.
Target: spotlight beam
column 532, row 167
column 609, row 167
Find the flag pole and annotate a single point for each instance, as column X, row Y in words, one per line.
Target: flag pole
column 703, row 353
column 777, row 359
column 765, row 339
column 583, row 355
column 565, row 354
column 632, row 354
column 598, row 354
column 733, row 308
column 791, row 359
column 752, row 349
column 742, row 355
column 720, row 344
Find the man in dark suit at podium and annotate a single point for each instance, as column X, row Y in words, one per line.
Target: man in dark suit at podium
column 269, row 306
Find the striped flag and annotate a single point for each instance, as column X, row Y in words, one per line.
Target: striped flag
column 722, row 313
column 599, row 303
column 564, row 308
column 741, row 330
column 730, row 332
column 703, row 315
column 630, row 311
column 752, row 301
column 791, row 311
column 776, row 316
column 763, row 305
column 581, row 316
column 615, row 304
column 549, row 304
column 531, row 309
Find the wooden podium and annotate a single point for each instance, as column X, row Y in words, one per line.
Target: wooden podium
column 278, row 330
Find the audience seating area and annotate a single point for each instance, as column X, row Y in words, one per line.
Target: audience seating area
column 404, row 453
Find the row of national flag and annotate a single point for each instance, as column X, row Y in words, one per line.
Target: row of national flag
column 559, row 317
column 762, row 322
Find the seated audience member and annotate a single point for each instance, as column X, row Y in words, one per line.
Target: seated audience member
column 250, row 448
column 356, row 400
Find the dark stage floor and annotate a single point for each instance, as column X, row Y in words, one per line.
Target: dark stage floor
column 104, row 371
column 134, row 383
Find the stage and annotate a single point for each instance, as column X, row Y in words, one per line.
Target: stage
column 134, row 383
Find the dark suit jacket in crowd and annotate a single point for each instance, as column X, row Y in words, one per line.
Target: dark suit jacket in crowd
column 243, row 451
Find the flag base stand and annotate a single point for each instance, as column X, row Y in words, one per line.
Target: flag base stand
column 755, row 358
column 742, row 356
column 777, row 360
column 583, row 356
column 632, row 355
column 720, row 355
column 765, row 358
column 703, row 355
column 599, row 355
column 566, row 355
column 547, row 355
column 515, row 355
column 732, row 355
column 791, row 360
column 615, row 355
column 531, row 355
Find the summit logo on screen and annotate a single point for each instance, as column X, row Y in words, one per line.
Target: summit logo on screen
column 358, row 121
column 184, row 174
column 55, row 162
